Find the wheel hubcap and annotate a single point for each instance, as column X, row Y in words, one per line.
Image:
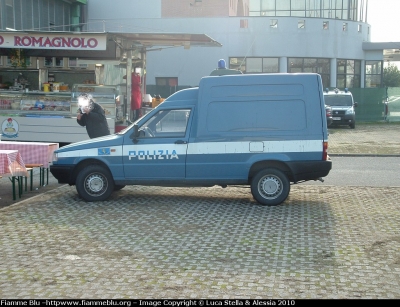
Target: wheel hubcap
column 270, row 187
column 95, row 185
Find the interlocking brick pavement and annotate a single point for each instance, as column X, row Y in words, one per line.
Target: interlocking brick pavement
column 146, row 242
column 153, row 242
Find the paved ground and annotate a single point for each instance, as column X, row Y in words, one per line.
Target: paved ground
column 6, row 198
column 147, row 242
column 373, row 139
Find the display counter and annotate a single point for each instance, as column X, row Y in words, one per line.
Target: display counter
column 35, row 102
column 51, row 116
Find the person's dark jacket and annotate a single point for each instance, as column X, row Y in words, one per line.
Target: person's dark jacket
column 95, row 122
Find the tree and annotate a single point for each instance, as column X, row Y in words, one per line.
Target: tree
column 391, row 76
column 18, row 58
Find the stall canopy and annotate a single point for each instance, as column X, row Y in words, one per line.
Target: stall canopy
column 149, row 40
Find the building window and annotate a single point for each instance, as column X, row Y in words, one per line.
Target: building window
column 10, row 14
column 58, row 62
column 333, row 9
column 52, row 26
column 25, row 63
column 295, row 65
column 348, row 73
column 373, row 73
column 73, row 62
column 48, row 61
column 166, row 86
column 270, row 65
column 53, row 61
column 238, row 63
column 254, row 65
column 311, row 65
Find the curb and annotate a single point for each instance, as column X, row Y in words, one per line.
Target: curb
column 364, row 155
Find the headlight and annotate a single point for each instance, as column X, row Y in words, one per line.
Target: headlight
column 55, row 157
column 350, row 111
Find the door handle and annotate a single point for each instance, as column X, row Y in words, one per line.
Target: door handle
column 180, row 142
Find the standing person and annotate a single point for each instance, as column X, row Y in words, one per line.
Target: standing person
column 136, row 95
column 92, row 116
column 222, row 70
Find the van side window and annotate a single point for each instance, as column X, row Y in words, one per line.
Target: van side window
column 168, row 123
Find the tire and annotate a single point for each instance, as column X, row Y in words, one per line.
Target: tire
column 270, row 187
column 353, row 125
column 94, row 183
column 118, row 187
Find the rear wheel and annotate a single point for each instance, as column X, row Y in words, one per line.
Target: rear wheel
column 270, row 187
column 352, row 125
column 94, row 183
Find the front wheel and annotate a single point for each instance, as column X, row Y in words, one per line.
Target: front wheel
column 270, row 187
column 94, row 183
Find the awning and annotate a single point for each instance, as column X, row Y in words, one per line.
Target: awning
column 96, row 45
column 149, row 40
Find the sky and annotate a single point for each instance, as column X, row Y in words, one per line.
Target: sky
column 383, row 16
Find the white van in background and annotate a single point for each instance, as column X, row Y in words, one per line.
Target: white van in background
column 342, row 104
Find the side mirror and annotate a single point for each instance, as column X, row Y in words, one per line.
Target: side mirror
column 134, row 136
column 136, row 130
column 355, row 104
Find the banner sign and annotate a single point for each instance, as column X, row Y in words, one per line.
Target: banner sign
column 42, row 41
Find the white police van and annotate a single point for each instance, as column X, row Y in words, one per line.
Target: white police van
column 342, row 104
column 264, row 130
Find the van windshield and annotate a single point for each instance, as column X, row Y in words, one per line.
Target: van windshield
column 338, row 100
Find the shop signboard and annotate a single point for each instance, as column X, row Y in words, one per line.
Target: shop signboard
column 55, row 41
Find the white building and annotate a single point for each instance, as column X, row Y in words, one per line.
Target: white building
column 324, row 36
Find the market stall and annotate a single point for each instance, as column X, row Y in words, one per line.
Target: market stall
column 51, row 116
column 39, row 103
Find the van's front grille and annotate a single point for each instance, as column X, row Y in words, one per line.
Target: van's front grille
column 338, row 113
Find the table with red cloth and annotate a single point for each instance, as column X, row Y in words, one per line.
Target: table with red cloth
column 32, row 152
column 35, row 154
column 12, row 165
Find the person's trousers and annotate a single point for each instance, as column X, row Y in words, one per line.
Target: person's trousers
column 135, row 114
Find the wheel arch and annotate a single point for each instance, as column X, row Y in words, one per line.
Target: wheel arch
column 280, row 165
column 82, row 164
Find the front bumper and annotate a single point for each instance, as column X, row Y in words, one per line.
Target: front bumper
column 62, row 173
column 343, row 119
